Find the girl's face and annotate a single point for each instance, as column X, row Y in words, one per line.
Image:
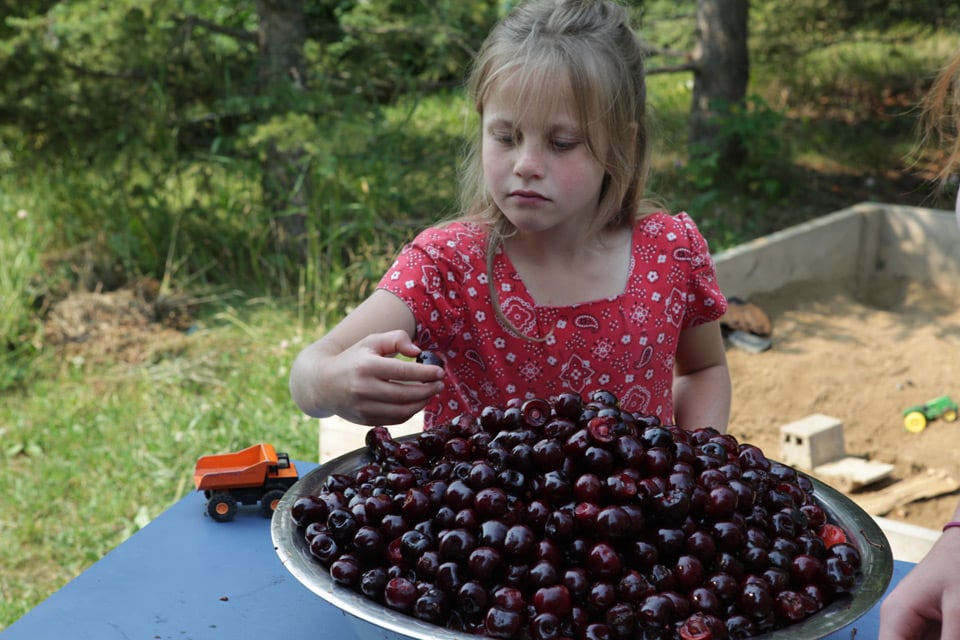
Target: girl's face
column 536, row 163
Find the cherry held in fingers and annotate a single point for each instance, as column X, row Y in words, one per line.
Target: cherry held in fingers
column 429, row 357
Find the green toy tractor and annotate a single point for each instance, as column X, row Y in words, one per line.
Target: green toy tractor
column 915, row 418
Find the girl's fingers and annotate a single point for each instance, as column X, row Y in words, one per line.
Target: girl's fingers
column 405, row 393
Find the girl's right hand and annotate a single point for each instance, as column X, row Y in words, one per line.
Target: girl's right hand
column 364, row 383
column 380, row 389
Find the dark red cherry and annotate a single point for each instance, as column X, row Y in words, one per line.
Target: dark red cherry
column 569, row 405
column 432, row 606
column 473, row 599
column 501, row 623
column 603, row 429
column 790, row 606
column 553, row 599
column 429, row 357
column 545, row 626
column 372, row 583
column 847, row 553
column 536, row 412
column 309, row 509
column 400, row 594
column 484, row 563
column 603, row 561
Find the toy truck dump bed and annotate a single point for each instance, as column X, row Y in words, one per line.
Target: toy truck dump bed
column 255, row 474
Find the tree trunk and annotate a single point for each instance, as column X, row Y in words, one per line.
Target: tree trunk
column 281, row 74
column 721, row 71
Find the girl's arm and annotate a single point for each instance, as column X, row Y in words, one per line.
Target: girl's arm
column 352, row 372
column 701, row 388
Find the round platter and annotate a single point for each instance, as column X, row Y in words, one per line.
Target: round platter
column 373, row 620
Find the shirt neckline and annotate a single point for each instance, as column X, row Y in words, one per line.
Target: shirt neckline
column 516, row 280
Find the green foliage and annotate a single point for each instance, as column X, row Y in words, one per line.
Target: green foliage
column 93, row 79
column 142, row 122
column 148, row 116
column 761, row 176
column 813, row 36
column 389, row 46
column 101, row 77
column 758, row 131
column 853, row 70
column 370, row 197
column 830, row 19
column 22, row 241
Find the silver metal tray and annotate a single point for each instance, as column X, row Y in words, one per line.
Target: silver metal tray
column 373, row 620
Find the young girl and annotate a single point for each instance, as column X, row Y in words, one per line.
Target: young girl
column 926, row 603
column 555, row 278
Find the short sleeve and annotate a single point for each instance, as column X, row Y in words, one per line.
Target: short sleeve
column 430, row 276
column 705, row 301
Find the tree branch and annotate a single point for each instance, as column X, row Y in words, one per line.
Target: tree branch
column 674, row 69
column 651, row 52
column 103, row 75
column 243, row 35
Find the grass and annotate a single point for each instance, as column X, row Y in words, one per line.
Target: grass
column 92, row 449
column 92, row 453
column 22, row 239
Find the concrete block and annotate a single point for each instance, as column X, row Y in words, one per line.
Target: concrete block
column 812, row 441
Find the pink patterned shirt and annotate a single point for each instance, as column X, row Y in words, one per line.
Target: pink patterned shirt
column 625, row 344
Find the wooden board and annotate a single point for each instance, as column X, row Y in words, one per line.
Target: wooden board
column 850, row 473
column 920, row 487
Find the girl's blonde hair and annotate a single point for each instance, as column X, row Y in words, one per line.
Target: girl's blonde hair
column 589, row 49
column 940, row 117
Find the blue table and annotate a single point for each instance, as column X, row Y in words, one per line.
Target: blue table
column 185, row 576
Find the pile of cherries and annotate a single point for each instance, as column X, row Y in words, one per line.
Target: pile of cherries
column 578, row 520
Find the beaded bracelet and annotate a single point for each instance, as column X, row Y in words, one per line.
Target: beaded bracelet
column 951, row 525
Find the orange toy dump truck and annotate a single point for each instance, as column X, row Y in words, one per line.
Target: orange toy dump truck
column 255, row 474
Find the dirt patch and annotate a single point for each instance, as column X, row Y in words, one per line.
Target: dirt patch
column 861, row 359
column 132, row 325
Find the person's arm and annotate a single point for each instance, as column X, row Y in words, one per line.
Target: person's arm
column 701, row 388
column 926, row 603
column 352, row 372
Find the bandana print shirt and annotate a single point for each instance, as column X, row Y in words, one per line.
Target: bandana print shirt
column 625, row 344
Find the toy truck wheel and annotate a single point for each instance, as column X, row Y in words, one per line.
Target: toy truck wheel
column 915, row 421
column 222, row 506
column 269, row 502
column 950, row 415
